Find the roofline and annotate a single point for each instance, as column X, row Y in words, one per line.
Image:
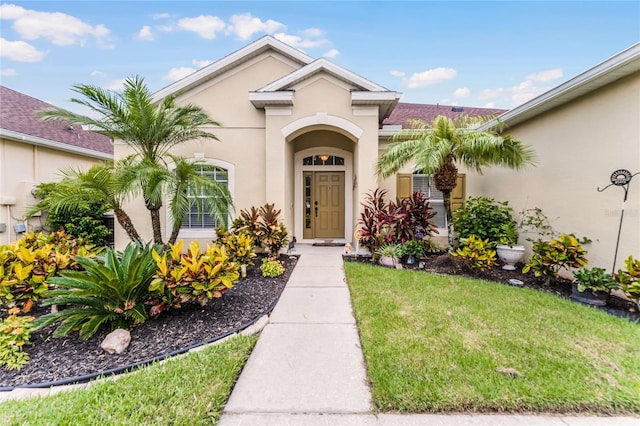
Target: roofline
column 228, row 61
column 618, row 66
column 316, row 66
column 48, row 143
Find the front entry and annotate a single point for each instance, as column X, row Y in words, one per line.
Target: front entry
column 323, row 205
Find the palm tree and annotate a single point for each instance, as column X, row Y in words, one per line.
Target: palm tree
column 184, row 178
column 97, row 184
column 436, row 148
column 151, row 128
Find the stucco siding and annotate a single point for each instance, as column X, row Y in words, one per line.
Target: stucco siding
column 579, row 145
column 22, row 166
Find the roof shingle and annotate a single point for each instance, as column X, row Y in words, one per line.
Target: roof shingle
column 18, row 114
column 406, row 111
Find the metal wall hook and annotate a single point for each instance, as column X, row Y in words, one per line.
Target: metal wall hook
column 621, row 178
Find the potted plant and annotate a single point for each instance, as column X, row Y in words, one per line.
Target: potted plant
column 592, row 286
column 508, row 249
column 389, row 254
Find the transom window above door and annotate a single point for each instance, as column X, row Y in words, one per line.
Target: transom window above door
column 323, row 160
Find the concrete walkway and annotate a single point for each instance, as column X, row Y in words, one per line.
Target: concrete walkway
column 308, row 369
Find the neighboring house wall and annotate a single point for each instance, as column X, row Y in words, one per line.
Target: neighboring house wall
column 34, row 152
column 579, row 145
column 22, row 166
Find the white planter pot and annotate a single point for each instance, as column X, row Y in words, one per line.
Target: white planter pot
column 510, row 255
column 388, row 261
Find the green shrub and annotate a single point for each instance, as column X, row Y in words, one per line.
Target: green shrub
column 596, row 279
column 110, row 290
column 629, row 279
column 550, row 257
column 476, row 253
column 27, row 264
column 264, row 226
column 271, row 268
column 411, row 248
column 193, row 276
column 84, row 221
column 486, row 219
column 15, row 332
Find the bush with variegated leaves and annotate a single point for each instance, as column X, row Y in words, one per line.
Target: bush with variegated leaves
column 27, row 264
column 192, row 276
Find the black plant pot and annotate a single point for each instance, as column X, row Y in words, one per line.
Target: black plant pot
column 588, row 296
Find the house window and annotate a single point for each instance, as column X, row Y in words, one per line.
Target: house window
column 201, row 219
column 425, row 184
column 323, row 160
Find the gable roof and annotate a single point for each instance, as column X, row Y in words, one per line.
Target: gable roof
column 618, row 66
column 366, row 92
column 18, row 121
column 232, row 60
column 408, row 111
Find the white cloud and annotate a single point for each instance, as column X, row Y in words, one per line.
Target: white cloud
column 116, row 85
column 489, row 105
column 206, row 26
column 59, row 28
column 312, row 33
column 300, row 42
column 462, row 92
column 546, row 76
column 164, row 28
column 145, row 33
column 161, row 16
column 97, row 73
column 178, row 73
column 532, row 86
column 201, row 63
column 429, row 77
column 20, row 51
column 8, row 72
column 245, row 25
column 331, row 53
column 490, row 93
column 397, row 73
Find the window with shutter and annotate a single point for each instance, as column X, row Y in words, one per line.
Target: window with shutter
column 407, row 184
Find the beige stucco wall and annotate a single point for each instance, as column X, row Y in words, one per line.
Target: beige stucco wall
column 22, row 166
column 255, row 144
column 579, row 145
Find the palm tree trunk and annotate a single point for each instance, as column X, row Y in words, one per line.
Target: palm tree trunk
column 174, row 234
column 155, row 225
column 125, row 221
column 446, row 195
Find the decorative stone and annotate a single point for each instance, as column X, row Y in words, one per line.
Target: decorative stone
column 117, row 341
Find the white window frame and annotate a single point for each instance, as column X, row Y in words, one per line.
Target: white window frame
column 205, row 233
column 431, row 185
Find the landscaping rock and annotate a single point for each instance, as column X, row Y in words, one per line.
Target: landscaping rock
column 509, row 371
column 117, row 341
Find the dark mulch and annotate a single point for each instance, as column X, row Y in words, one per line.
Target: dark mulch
column 54, row 359
column 448, row 265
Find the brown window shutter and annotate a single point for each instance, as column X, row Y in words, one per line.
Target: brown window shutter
column 458, row 193
column 404, row 185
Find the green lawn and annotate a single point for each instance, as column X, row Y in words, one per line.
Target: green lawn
column 189, row 390
column 433, row 343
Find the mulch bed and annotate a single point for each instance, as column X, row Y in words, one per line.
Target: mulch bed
column 445, row 264
column 55, row 359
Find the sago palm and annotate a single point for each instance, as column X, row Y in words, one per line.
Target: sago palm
column 110, row 290
column 151, row 128
column 437, row 148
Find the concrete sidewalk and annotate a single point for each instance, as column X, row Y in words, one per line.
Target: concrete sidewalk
column 308, row 369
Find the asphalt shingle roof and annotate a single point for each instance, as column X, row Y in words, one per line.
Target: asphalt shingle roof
column 406, row 111
column 18, row 114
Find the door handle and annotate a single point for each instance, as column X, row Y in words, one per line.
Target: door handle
column 316, row 211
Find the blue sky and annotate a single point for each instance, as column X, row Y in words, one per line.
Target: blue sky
column 492, row 54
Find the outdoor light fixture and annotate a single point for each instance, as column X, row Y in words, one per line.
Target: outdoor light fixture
column 324, row 157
